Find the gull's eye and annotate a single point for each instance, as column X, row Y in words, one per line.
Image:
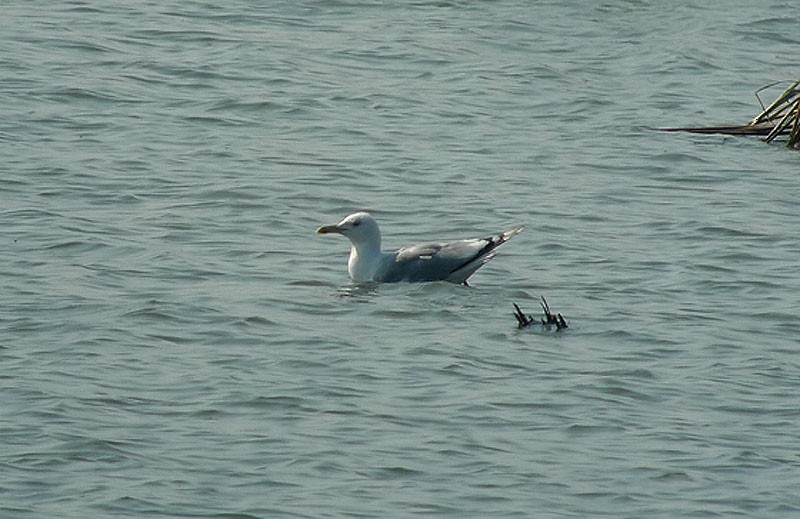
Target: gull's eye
column 356, row 224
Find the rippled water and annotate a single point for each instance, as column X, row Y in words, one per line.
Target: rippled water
column 177, row 342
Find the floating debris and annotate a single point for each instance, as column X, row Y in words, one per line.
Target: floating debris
column 781, row 117
column 549, row 319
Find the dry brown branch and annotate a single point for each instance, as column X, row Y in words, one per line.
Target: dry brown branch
column 794, row 136
column 769, row 113
column 785, row 109
column 782, row 124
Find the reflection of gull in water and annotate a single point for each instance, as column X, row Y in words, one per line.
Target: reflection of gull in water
column 455, row 261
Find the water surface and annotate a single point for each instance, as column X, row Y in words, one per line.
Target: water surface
column 177, row 342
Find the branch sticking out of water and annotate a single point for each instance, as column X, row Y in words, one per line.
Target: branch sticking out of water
column 781, row 117
column 549, row 319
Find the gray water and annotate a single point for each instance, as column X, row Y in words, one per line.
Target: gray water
column 177, row 342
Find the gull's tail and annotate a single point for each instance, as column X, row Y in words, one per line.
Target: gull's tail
column 483, row 255
column 505, row 236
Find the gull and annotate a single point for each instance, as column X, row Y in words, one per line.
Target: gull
column 454, row 261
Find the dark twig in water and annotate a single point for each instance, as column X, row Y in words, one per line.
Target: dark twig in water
column 550, row 319
column 522, row 319
column 781, row 117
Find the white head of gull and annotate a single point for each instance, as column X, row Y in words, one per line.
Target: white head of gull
column 454, row 261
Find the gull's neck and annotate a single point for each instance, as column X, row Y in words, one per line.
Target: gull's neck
column 365, row 260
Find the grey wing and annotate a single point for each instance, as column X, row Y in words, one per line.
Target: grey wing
column 454, row 261
column 439, row 262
